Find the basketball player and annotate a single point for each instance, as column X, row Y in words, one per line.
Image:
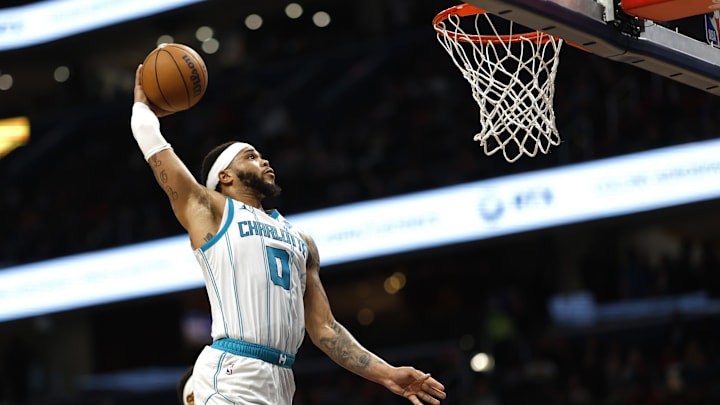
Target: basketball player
column 261, row 275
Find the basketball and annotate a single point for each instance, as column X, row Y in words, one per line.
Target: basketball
column 174, row 77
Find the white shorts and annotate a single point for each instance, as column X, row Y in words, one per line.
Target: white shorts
column 224, row 378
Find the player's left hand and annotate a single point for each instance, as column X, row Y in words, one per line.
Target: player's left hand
column 418, row 387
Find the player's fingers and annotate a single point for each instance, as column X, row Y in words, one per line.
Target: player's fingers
column 414, row 399
column 435, row 386
column 424, row 377
column 427, row 398
column 438, row 394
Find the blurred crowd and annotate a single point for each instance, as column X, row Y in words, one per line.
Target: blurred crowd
column 668, row 359
column 490, row 299
column 389, row 118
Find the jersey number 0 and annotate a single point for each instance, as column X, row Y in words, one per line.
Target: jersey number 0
column 279, row 266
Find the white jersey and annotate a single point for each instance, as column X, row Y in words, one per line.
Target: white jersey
column 254, row 270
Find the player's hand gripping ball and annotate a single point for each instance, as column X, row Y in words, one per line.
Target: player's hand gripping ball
column 174, row 77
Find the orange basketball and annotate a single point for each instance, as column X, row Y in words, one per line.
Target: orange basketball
column 174, row 77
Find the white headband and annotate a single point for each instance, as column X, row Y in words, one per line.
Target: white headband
column 222, row 162
column 188, row 389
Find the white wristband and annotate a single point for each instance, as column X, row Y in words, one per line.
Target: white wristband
column 146, row 130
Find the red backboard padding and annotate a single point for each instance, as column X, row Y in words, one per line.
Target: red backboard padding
column 667, row 10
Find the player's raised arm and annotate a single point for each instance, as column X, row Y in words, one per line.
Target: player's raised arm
column 190, row 200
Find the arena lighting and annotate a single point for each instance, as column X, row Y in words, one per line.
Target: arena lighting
column 253, row 22
column 14, row 133
column 293, row 10
column 489, row 208
column 54, row 19
column 482, row 363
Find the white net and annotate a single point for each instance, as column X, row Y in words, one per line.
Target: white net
column 512, row 77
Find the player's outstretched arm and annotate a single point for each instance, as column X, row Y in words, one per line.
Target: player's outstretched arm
column 188, row 198
column 338, row 344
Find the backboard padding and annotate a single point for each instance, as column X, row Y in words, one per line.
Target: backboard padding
column 656, row 48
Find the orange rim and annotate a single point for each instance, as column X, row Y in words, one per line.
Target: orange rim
column 465, row 10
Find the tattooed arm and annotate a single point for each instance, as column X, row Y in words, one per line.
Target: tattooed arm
column 197, row 209
column 338, row 344
column 325, row 332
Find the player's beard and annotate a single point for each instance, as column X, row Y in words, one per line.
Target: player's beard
column 255, row 182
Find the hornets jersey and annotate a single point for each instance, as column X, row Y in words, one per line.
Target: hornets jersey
column 254, row 270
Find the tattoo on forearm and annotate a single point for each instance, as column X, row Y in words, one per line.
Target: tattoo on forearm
column 363, row 362
column 343, row 349
column 171, row 193
column 162, row 178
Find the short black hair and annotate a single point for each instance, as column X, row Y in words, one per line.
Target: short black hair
column 181, row 384
column 209, row 159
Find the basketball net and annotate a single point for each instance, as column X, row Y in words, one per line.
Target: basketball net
column 512, row 76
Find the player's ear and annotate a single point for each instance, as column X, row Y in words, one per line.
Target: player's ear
column 225, row 176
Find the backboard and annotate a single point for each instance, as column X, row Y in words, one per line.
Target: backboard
column 601, row 29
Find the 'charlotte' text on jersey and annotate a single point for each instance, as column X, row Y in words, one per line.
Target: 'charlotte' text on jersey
column 250, row 228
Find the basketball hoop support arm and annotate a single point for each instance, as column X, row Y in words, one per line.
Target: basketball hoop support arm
column 583, row 22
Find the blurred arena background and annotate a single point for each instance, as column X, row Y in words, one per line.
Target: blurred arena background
column 356, row 101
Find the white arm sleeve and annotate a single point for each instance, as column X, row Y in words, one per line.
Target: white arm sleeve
column 146, row 130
